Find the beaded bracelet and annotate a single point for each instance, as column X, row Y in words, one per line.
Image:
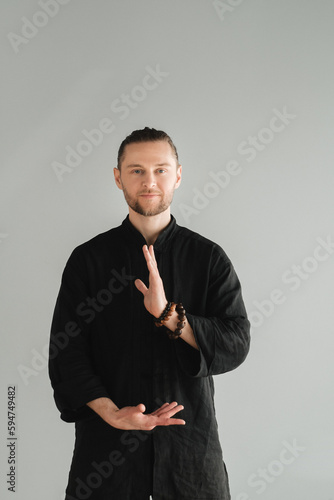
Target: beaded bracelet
column 181, row 323
column 165, row 315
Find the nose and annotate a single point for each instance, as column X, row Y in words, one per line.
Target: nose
column 149, row 180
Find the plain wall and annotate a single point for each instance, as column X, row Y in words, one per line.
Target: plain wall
column 245, row 89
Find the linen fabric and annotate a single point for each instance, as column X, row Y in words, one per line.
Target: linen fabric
column 104, row 344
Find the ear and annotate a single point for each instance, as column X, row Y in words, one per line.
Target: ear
column 117, row 176
column 178, row 176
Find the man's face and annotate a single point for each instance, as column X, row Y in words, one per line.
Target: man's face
column 148, row 177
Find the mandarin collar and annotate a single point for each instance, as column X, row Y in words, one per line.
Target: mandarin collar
column 137, row 238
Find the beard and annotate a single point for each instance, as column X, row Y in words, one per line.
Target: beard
column 158, row 205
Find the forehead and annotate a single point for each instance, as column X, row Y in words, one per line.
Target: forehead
column 147, row 153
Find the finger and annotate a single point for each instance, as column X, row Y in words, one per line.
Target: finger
column 173, row 411
column 146, row 254
column 151, row 422
column 151, row 264
column 168, row 414
column 163, row 408
column 159, row 409
column 176, row 421
column 171, row 407
column 141, row 286
column 171, row 421
column 152, row 254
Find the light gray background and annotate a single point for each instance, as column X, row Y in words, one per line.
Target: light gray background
column 226, row 70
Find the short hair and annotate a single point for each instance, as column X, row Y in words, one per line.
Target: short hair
column 145, row 135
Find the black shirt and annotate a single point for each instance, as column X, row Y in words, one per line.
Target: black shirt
column 104, row 344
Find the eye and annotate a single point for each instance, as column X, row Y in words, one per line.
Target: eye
column 161, row 170
column 136, row 171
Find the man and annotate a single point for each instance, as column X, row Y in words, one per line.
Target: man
column 147, row 312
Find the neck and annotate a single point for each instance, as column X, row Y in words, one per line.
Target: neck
column 150, row 226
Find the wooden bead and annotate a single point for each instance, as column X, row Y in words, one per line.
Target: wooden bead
column 166, row 314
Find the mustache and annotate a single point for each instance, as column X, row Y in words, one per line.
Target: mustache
column 148, row 192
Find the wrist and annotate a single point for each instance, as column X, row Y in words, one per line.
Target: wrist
column 104, row 407
column 172, row 321
column 166, row 314
column 111, row 418
column 159, row 311
column 173, row 318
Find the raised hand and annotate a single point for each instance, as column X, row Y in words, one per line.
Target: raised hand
column 154, row 296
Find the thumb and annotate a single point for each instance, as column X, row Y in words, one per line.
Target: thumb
column 141, row 286
column 141, row 408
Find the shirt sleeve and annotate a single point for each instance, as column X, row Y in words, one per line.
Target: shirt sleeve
column 223, row 333
column 70, row 367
